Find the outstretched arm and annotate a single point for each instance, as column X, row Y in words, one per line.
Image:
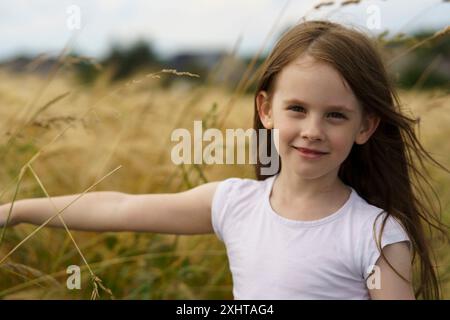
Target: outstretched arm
column 187, row 212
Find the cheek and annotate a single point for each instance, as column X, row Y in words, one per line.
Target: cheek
column 342, row 141
column 287, row 133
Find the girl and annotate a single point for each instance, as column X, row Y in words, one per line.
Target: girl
column 339, row 219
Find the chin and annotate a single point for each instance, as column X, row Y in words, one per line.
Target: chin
column 307, row 173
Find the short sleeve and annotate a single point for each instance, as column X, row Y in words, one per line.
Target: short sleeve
column 220, row 203
column 393, row 232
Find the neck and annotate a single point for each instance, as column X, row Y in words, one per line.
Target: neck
column 294, row 187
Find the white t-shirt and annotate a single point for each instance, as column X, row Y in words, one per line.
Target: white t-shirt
column 273, row 257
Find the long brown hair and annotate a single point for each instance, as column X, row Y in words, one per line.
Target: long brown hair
column 388, row 171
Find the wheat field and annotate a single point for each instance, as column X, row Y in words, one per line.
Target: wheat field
column 61, row 137
column 88, row 132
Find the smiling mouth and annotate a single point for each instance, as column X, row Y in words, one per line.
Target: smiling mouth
column 309, row 151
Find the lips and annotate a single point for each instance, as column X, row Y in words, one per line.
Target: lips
column 310, row 151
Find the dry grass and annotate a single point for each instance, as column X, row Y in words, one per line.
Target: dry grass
column 128, row 128
column 91, row 133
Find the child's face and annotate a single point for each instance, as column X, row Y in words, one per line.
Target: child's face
column 302, row 110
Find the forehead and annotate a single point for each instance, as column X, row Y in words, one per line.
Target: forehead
column 315, row 82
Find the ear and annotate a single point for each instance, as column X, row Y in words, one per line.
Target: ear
column 369, row 124
column 264, row 109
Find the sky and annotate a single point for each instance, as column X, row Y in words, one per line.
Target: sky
column 173, row 26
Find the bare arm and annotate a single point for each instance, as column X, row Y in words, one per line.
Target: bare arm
column 391, row 285
column 187, row 212
column 93, row 211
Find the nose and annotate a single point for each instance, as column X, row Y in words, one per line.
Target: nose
column 311, row 129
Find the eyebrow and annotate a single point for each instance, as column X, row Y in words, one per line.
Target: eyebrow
column 332, row 107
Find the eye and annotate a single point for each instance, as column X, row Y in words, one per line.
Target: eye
column 296, row 108
column 337, row 115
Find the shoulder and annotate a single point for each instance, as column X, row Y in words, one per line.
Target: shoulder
column 231, row 199
column 373, row 218
column 377, row 230
column 235, row 182
column 234, row 188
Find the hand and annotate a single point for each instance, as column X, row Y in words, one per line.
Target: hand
column 4, row 210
